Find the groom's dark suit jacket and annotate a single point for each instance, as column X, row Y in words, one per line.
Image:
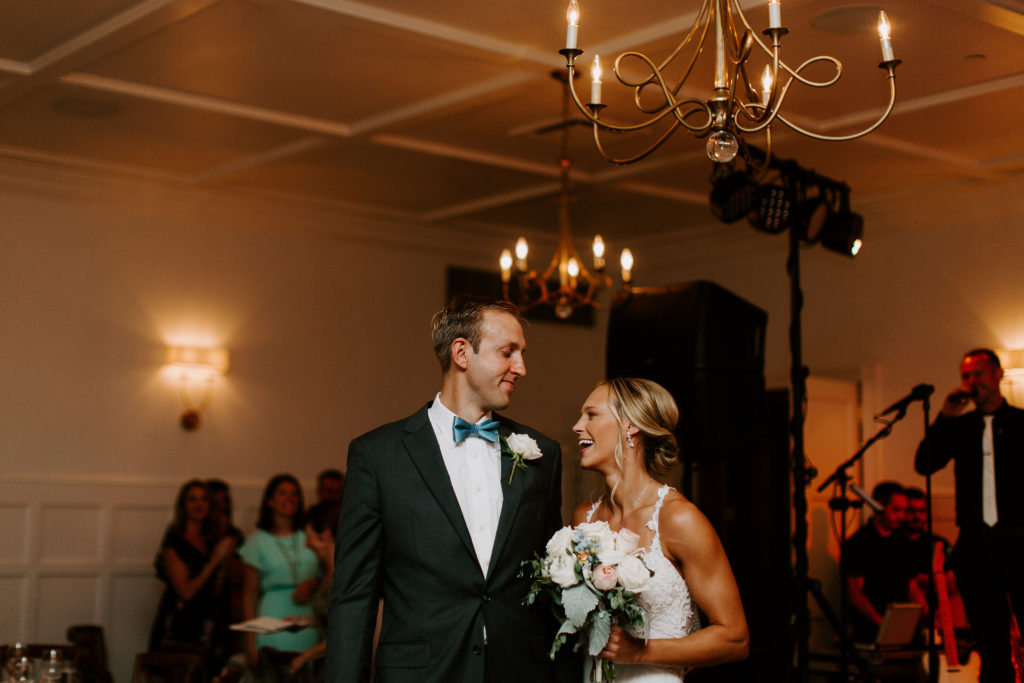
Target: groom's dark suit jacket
column 402, row 537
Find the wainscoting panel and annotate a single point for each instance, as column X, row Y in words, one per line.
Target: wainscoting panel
column 13, row 599
column 70, row 535
column 13, row 529
column 64, row 600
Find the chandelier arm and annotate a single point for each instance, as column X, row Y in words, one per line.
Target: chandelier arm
column 853, row 136
column 588, row 112
column 622, row 161
column 771, row 110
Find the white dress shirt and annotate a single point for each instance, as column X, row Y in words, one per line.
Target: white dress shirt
column 474, row 467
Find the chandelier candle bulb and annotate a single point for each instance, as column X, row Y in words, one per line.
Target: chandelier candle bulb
column 573, row 267
column 522, row 250
column 572, row 15
column 595, row 83
column 506, row 265
column 766, row 85
column 885, row 34
column 774, row 14
column 626, row 262
column 598, row 253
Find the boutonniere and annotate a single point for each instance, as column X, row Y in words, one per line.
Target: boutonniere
column 520, row 448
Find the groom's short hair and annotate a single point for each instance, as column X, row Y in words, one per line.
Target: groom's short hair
column 462, row 317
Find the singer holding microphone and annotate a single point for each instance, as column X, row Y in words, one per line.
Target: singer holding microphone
column 986, row 445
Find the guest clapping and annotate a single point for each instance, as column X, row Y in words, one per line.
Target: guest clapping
column 281, row 573
column 191, row 555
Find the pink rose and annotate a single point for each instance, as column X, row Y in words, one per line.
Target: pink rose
column 605, row 577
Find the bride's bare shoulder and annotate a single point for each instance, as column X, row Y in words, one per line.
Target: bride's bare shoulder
column 579, row 515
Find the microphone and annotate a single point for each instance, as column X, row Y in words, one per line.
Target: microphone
column 918, row 393
column 863, row 495
column 963, row 396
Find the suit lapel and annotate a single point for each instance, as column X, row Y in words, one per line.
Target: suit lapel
column 511, row 493
column 421, row 444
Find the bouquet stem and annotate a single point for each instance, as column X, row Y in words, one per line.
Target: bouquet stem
column 602, row 670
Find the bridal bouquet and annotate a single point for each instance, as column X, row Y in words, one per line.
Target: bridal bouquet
column 592, row 576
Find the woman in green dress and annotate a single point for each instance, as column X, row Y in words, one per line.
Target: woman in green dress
column 281, row 573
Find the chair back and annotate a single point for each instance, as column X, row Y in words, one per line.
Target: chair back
column 92, row 646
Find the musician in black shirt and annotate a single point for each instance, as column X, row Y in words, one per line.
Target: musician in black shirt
column 987, row 447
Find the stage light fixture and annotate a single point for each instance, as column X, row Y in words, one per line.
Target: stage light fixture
column 733, row 195
column 774, row 208
column 843, row 233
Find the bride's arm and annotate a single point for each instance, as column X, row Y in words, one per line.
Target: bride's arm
column 691, row 541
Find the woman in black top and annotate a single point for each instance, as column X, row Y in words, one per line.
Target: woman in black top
column 189, row 560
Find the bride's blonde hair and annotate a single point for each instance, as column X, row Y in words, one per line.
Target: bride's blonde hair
column 653, row 411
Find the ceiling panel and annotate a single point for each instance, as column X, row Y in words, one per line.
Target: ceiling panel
column 369, row 174
column 132, row 132
column 29, row 29
column 298, row 59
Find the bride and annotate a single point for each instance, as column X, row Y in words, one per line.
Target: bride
column 625, row 433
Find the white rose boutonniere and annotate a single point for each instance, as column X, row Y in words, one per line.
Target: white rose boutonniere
column 521, row 448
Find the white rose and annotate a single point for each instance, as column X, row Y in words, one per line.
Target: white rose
column 626, row 541
column 592, row 529
column 607, row 552
column 523, row 445
column 633, row 574
column 562, row 570
column 561, row 542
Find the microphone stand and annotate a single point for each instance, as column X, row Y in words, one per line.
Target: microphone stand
column 842, row 477
column 933, row 598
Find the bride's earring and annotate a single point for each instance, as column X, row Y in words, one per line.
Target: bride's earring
column 629, row 441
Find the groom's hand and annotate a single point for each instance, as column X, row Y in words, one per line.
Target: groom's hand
column 622, row 647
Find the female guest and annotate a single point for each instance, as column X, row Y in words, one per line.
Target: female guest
column 280, row 572
column 625, row 433
column 189, row 562
column 321, row 521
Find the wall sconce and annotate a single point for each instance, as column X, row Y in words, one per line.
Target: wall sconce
column 1012, row 386
column 195, row 366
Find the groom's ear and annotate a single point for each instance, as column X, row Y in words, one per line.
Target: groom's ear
column 460, row 352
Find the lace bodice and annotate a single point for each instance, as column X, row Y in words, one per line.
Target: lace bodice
column 669, row 609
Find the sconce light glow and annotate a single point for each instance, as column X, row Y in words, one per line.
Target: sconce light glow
column 194, row 365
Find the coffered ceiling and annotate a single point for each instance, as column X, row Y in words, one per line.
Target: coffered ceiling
column 436, row 112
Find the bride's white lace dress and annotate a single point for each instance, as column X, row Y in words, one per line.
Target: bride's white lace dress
column 666, row 601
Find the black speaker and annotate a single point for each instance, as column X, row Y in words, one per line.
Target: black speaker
column 706, row 346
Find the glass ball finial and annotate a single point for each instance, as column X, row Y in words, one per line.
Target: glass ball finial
column 722, row 146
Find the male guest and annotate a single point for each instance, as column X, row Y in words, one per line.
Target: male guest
column 436, row 520
column 328, row 486
column 987, row 447
column 877, row 562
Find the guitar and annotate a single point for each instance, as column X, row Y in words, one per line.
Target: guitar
column 943, row 614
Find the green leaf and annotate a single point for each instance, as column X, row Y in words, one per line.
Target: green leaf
column 600, row 630
column 578, row 602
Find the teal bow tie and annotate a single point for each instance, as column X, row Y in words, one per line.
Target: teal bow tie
column 487, row 430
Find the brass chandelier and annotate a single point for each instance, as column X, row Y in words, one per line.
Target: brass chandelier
column 565, row 284
column 737, row 107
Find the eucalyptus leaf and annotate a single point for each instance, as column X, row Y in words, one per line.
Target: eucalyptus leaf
column 578, row 602
column 600, row 630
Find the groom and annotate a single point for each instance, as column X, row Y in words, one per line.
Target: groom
column 436, row 519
